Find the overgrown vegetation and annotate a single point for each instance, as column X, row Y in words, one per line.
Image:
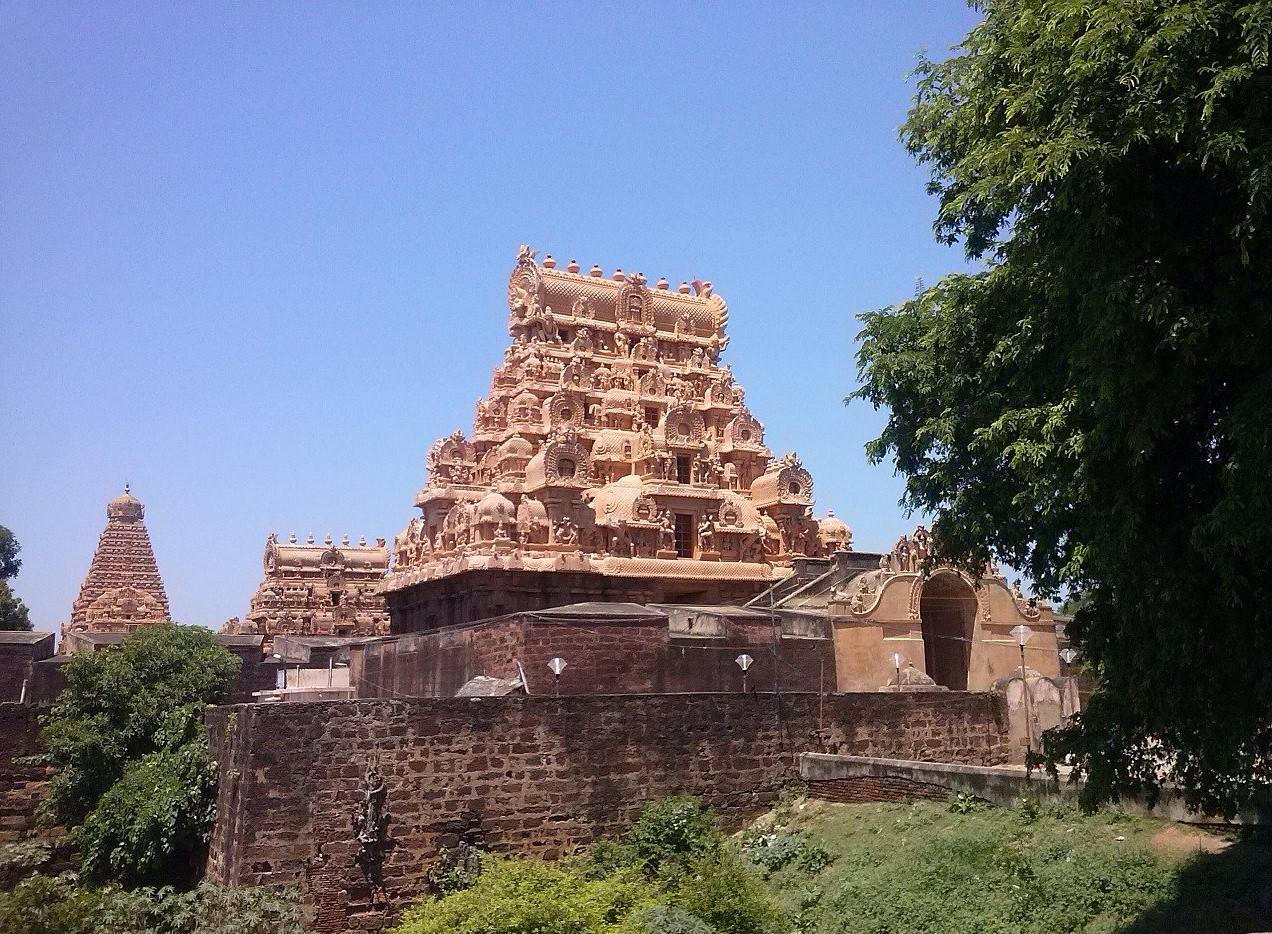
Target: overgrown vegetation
column 960, row 869
column 814, row 868
column 135, row 784
column 674, row 872
column 44, row 905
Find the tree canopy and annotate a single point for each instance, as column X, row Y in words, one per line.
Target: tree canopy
column 1093, row 404
column 13, row 612
column 135, row 781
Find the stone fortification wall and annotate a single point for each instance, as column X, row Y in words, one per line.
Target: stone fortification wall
column 634, row 657
column 535, row 775
column 21, row 786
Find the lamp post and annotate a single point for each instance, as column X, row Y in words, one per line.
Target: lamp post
column 557, row 665
column 896, row 663
column 1067, row 656
column 1023, row 634
column 744, row 662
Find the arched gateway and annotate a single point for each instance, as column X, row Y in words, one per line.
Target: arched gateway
column 947, row 610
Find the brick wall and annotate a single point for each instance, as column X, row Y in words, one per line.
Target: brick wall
column 603, row 657
column 21, row 786
column 535, row 775
column 875, row 788
column 19, row 651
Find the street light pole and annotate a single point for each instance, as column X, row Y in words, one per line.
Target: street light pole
column 744, row 662
column 1023, row 634
column 557, row 665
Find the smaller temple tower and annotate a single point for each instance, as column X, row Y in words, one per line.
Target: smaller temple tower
column 122, row 590
column 317, row 589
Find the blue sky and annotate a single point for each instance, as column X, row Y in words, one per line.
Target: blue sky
column 253, row 257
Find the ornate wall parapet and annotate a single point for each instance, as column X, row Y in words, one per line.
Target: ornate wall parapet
column 613, row 433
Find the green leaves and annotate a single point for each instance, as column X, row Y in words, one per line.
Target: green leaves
column 135, row 781
column 1085, row 408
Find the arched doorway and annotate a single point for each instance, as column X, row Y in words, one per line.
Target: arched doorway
column 947, row 609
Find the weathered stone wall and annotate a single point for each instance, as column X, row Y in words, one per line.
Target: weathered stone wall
column 19, row 651
column 603, row 657
column 535, row 775
column 21, row 786
column 880, row 788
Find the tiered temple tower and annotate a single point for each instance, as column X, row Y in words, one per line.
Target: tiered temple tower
column 318, row 589
column 613, row 459
column 122, row 590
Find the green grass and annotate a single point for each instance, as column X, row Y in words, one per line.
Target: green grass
column 923, row 867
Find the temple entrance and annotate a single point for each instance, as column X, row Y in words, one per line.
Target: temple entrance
column 947, row 609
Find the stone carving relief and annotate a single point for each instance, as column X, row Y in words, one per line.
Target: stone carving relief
column 619, row 389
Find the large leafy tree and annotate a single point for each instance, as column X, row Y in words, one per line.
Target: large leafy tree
column 1094, row 402
column 13, row 612
column 135, row 781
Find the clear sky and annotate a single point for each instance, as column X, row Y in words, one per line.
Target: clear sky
column 254, row 257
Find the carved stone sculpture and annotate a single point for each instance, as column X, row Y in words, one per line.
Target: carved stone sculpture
column 611, row 435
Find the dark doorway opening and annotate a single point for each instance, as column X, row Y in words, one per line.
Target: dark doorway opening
column 684, row 535
column 947, row 609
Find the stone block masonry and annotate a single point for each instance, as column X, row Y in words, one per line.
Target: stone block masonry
column 22, row 787
column 532, row 775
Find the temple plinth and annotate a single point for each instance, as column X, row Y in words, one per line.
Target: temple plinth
column 614, row 459
column 122, row 590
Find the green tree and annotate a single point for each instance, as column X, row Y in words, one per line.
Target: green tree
column 13, row 612
column 135, row 781
column 1094, row 403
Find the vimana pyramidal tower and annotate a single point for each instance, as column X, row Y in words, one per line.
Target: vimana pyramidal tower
column 614, row 459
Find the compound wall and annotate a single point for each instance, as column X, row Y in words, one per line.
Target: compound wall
column 534, row 775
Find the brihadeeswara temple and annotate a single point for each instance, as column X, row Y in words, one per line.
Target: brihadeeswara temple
column 614, row 459
column 612, row 590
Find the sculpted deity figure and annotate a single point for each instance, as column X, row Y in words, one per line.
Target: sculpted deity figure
column 583, row 341
column 858, row 602
column 698, row 359
column 666, row 531
column 922, row 540
column 706, row 533
column 905, row 556
column 621, row 346
column 566, row 531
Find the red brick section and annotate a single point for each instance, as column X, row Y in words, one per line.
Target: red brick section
column 604, row 657
column 874, row 789
column 536, row 775
column 21, row 786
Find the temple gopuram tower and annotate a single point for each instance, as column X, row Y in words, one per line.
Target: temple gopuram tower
column 614, row 459
column 317, row 589
column 122, row 590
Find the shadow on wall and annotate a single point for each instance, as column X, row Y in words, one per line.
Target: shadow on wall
column 1226, row 891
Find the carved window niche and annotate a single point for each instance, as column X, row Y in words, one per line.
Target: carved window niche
column 566, row 468
column 684, row 468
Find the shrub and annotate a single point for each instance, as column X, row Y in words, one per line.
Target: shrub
column 521, row 896
column 668, row 919
column 674, row 828
column 45, row 905
column 728, row 895
column 133, row 781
